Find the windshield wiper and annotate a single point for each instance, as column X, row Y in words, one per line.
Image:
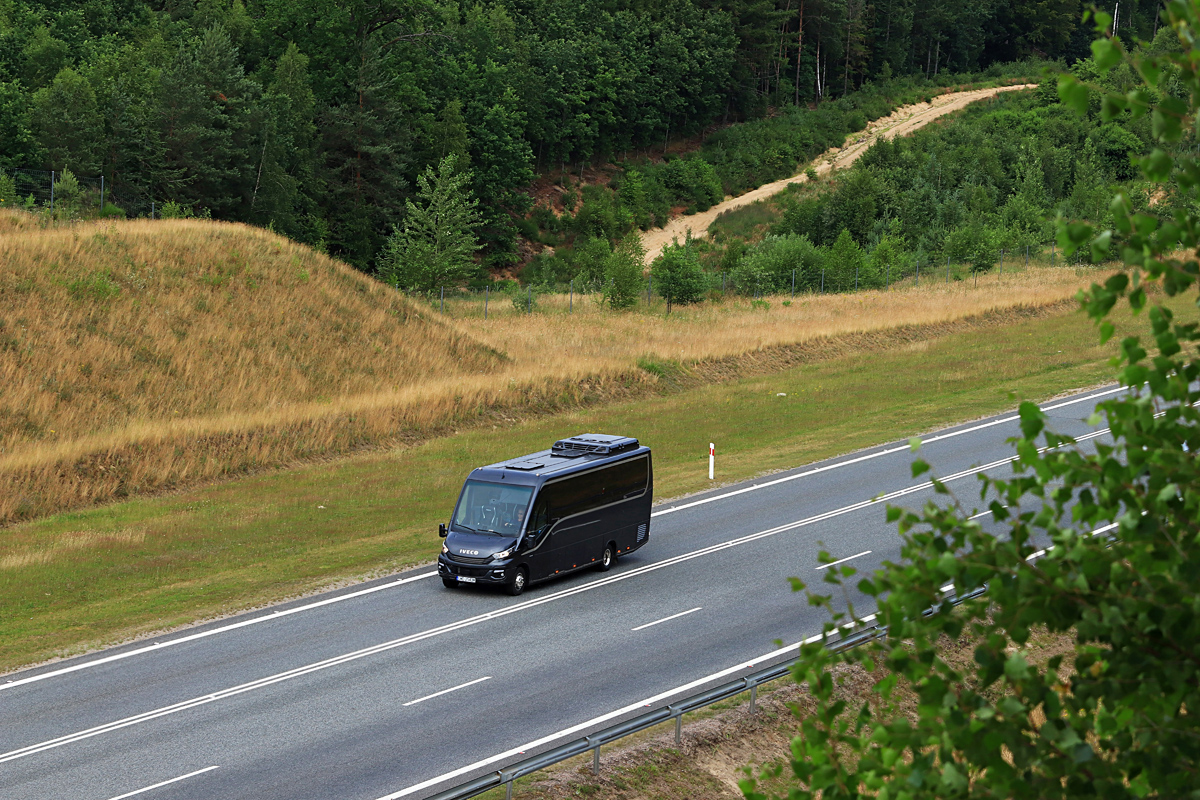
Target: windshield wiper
column 467, row 527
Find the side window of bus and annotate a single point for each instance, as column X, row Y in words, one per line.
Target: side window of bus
column 576, row 494
column 627, row 478
column 540, row 519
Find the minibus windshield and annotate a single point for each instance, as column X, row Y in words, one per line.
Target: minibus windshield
column 493, row 507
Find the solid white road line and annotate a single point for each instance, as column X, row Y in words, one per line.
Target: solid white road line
column 502, row 612
column 667, row 619
column 163, row 783
column 761, row 661
column 447, row 691
column 212, row 632
column 392, row 584
column 878, row 453
column 564, row 733
column 844, row 560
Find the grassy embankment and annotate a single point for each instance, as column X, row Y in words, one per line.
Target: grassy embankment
column 99, row 575
column 142, row 356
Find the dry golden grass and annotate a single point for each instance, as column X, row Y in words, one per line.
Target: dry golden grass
column 144, row 355
column 592, row 339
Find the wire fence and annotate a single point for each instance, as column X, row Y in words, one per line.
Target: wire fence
column 510, row 297
column 45, row 191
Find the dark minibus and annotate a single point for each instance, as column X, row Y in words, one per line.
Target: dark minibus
column 582, row 503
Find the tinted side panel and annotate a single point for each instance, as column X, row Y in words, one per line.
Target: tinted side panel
column 627, row 479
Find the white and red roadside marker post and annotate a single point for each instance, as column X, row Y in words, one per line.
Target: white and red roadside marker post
column 712, row 457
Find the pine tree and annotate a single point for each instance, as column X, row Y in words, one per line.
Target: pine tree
column 66, row 121
column 436, row 244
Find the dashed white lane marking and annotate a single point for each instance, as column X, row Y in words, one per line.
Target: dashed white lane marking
column 163, row 783
column 844, row 560
column 502, row 612
column 761, row 661
column 446, row 691
column 392, row 584
column 667, row 619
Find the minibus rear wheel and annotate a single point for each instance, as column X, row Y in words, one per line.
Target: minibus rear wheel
column 517, row 584
column 607, row 558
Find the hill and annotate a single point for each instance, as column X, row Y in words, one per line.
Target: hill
column 139, row 354
column 145, row 355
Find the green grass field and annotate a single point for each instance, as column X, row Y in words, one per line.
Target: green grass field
column 79, row 580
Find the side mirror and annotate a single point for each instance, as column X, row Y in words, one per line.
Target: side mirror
column 442, row 529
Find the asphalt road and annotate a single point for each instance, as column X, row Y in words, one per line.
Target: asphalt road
column 400, row 687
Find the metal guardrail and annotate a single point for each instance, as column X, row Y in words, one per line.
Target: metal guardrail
column 593, row 742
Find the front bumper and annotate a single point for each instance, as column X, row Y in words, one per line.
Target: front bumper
column 495, row 573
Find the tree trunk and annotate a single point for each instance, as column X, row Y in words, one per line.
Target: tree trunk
column 799, row 50
column 846, row 72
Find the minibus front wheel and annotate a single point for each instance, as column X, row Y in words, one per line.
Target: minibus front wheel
column 517, row 584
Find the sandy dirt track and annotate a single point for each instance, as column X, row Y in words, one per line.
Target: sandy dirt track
column 900, row 122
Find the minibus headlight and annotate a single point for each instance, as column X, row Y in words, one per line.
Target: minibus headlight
column 445, row 549
column 503, row 554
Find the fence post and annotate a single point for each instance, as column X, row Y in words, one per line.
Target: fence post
column 571, row 307
column 51, row 190
column 1001, row 262
column 1052, row 253
column 487, row 291
column 101, row 193
column 887, row 286
column 793, row 284
column 753, row 694
column 1026, row 256
column 722, row 282
column 596, row 761
column 856, row 277
column 822, row 280
column 679, row 729
column 529, row 300
column 918, row 272
column 153, row 211
column 649, row 286
column 947, row 270
column 443, row 299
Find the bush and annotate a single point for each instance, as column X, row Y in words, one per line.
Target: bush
column 173, row 210
column 524, row 300
column 694, row 181
column 111, row 211
column 768, row 267
column 677, row 274
column 623, row 273
column 843, row 264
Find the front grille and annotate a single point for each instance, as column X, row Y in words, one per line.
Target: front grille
column 468, row 559
column 468, row 571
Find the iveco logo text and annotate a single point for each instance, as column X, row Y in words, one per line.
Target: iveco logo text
column 469, row 552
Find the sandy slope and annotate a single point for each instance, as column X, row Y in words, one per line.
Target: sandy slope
column 901, row 122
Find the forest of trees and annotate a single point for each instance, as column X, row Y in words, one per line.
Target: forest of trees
column 316, row 117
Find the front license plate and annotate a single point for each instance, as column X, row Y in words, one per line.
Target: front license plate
column 465, row 579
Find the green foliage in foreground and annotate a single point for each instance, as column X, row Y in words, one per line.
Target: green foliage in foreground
column 1120, row 529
